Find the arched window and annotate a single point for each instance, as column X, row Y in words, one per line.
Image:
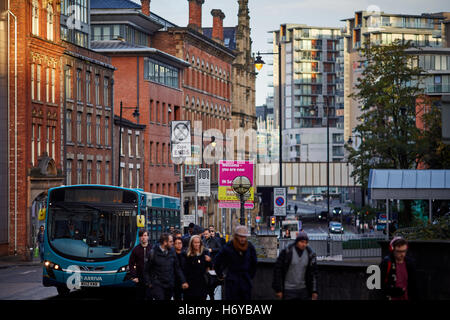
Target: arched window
column 187, row 101
column 50, row 17
column 35, row 17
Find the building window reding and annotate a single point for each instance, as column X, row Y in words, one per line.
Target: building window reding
column 98, row 120
column 32, row 81
column 79, row 86
column 38, row 82
column 69, row 125
column 80, row 172
column 35, row 17
column 88, row 87
column 79, row 127
column 89, row 129
column 97, row 89
column 105, row 91
column 69, row 172
column 50, row 22
column 53, row 98
column 107, row 132
column 99, row 171
column 89, row 172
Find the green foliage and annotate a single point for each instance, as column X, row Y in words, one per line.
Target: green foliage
column 439, row 230
column 387, row 93
column 435, row 153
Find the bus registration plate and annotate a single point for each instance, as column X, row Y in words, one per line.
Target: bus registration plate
column 90, row 284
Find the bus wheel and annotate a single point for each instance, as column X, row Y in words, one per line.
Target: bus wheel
column 63, row 291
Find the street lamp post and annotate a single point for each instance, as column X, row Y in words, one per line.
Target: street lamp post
column 136, row 115
column 259, row 64
column 241, row 186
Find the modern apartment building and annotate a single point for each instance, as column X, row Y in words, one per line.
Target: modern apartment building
column 312, row 77
column 424, row 30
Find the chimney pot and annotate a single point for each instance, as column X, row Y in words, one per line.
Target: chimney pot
column 195, row 14
column 218, row 16
column 145, row 7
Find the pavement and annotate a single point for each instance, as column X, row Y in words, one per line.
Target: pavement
column 17, row 261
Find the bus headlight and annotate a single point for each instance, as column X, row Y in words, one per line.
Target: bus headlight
column 51, row 265
column 123, row 269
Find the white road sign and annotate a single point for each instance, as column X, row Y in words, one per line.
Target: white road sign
column 279, row 201
column 181, row 139
column 204, row 182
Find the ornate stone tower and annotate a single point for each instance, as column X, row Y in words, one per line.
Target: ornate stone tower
column 244, row 77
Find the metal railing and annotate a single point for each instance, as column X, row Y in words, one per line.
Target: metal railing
column 347, row 246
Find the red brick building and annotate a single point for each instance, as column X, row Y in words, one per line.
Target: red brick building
column 207, row 92
column 147, row 79
column 88, row 104
column 34, row 107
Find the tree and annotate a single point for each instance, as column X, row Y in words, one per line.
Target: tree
column 435, row 153
column 387, row 92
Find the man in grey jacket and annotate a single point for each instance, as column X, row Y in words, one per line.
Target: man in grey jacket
column 295, row 272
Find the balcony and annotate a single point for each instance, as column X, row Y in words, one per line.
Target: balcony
column 437, row 89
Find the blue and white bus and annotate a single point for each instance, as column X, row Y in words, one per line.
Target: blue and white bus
column 91, row 231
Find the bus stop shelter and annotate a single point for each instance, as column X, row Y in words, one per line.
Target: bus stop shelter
column 386, row 184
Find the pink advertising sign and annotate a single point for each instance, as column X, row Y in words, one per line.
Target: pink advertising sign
column 228, row 171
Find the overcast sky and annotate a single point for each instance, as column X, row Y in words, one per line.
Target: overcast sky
column 267, row 15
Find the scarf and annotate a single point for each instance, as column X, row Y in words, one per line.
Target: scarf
column 238, row 247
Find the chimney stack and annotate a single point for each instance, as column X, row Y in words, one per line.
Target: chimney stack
column 145, row 7
column 217, row 32
column 195, row 14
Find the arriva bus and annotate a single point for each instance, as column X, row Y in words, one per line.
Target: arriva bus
column 92, row 229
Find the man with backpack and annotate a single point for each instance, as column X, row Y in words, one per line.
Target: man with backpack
column 295, row 272
column 398, row 272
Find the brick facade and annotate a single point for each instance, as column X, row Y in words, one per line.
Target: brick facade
column 88, row 118
column 38, row 122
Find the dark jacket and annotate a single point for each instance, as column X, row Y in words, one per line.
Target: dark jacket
column 137, row 260
column 240, row 270
column 214, row 245
column 388, row 279
column 195, row 270
column 282, row 266
column 162, row 269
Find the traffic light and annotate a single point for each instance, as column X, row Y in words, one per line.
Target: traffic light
column 272, row 221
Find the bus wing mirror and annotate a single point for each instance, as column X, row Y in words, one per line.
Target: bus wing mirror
column 42, row 213
column 140, row 221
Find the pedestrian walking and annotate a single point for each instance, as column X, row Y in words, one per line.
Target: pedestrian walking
column 398, row 272
column 216, row 235
column 211, row 244
column 40, row 242
column 162, row 269
column 238, row 257
column 187, row 236
column 295, row 272
column 138, row 259
column 181, row 256
column 196, row 266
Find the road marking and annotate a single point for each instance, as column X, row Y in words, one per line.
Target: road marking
column 27, row 272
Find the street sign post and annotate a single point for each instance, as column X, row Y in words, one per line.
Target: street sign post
column 279, row 202
column 181, row 139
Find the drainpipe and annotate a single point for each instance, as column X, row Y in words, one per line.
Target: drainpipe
column 15, row 120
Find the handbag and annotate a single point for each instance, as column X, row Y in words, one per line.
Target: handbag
column 212, row 281
column 36, row 252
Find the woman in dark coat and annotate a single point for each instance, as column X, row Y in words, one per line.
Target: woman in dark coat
column 197, row 263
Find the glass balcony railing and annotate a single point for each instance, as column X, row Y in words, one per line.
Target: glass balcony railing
column 437, row 88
